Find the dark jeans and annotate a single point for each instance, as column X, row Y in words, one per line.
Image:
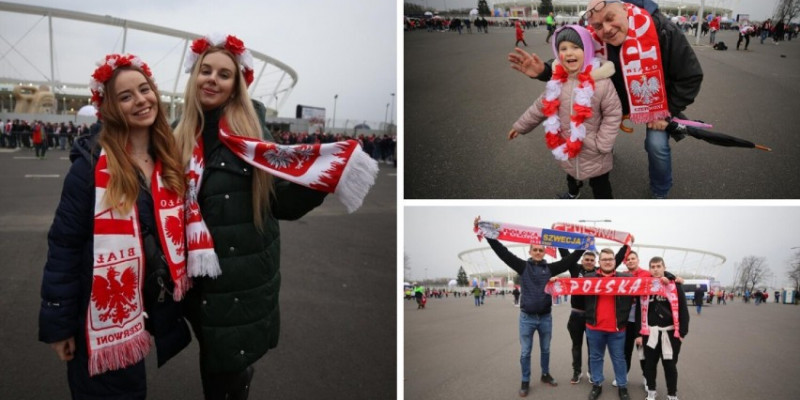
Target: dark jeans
column 41, row 148
column 550, row 31
column 576, row 327
column 601, row 186
column 630, row 339
column 523, row 42
column 651, row 357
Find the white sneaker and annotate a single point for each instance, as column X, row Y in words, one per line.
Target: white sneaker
column 614, row 384
column 651, row 395
column 672, row 397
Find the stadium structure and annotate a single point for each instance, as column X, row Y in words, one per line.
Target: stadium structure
column 481, row 264
column 570, row 10
column 35, row 75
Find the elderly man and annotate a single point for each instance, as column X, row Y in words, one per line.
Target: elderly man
column 657, row 73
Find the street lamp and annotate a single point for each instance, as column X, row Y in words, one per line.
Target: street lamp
column 336, row 96
column 386, row 118
column 391, row 122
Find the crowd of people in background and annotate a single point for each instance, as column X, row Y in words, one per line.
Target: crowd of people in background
column 380, row 148
column 39, row 135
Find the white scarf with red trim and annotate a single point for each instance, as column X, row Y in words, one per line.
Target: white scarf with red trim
column 640, row 57
column 341, row 168
column 561, row 148
column 115, row 322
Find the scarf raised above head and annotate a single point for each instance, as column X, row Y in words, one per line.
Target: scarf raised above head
column 115, row 319
column 642, row 69
column 533, row 235
column 608, row 234
column 341, row 168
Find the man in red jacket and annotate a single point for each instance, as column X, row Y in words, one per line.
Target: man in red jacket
column 38, row 139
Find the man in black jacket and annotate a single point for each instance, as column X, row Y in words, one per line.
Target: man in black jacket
column 662, row 343
column 535, row 305
column 681, row 69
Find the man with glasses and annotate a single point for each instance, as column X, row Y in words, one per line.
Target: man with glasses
column 535, row 304
column 606, row 320
column 674, row 70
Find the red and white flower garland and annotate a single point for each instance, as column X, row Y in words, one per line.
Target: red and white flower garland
column 230, row 43
column 561, row 148
column 105, row 70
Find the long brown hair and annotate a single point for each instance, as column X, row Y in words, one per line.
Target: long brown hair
column 123, row 185
column 238, row 111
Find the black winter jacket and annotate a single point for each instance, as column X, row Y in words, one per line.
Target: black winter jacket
column 235, row 316
column 659, row 313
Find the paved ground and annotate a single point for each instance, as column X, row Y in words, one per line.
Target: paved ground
column 454, row 350
column 461, row 98
column 338, row 303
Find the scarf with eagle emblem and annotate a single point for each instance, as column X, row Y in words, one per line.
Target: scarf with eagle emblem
column 115, row 322
column 341, row 168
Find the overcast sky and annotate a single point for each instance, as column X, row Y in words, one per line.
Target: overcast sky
column 435, row 235
column 758, row 9
column 337, row 47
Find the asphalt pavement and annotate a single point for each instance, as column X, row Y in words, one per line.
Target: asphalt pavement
column 461, row 98
column 454, row 350
column 338, row 298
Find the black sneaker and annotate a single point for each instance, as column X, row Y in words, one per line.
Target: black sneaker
column 595, row 393
column 523, row 390
column 547, row 378
column 623, row 394
column 576, row 377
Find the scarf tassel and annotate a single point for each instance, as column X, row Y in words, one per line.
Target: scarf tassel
column 182, row 284
column 127, row 353
column 203, row 263
column 357, row 178
column 643, row 118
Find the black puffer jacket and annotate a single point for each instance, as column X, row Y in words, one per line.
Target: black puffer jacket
column 236, row 316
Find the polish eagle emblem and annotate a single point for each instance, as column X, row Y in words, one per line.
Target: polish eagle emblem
column 115, row 297
column 174, row 230
column 645, row 89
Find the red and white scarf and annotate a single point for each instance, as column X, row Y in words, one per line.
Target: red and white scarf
column 640, row 57
column 561, row 148
column 341, row 168
column 620, row 286
column 602, row 233
column 115, row 331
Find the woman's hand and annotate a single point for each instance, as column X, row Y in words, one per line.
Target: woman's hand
column 512, row 134
column 477, row 219
column 638, row 341
column 65, row 349
column 528, row 63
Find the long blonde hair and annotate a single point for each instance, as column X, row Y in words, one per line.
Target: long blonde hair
column 238, row 111
column 123, row 185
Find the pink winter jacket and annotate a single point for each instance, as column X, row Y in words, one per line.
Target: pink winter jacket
column 595, row 158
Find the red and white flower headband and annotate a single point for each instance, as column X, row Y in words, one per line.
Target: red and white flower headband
column 105, row 70
column 230, row 43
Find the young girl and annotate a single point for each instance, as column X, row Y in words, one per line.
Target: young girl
column 580, row 111
column 125, row 188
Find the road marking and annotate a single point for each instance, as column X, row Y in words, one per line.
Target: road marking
column 25, row 158
column 395, row 174
column 42, row 175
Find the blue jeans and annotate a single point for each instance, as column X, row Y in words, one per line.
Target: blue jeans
column 598, row 340
column 477, row 301
column 699, row 307
column 659, row 159
column 528, row 324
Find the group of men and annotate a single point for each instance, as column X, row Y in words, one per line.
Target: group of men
column 609, row 321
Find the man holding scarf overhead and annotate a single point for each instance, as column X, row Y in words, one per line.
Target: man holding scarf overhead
column 657, row 73
column 536, row 305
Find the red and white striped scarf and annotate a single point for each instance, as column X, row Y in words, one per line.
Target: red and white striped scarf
column 115, row 319
column 602, row 233
column 341, row 168
column 640, row 57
